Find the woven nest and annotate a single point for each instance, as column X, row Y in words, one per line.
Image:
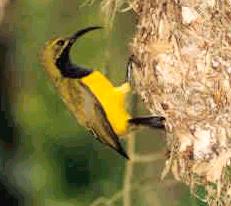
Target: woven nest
column 183, row 48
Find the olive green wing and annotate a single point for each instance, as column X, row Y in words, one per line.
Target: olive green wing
column 96, row 121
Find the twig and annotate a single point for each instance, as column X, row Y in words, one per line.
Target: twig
column 147, row 158
column 129, row 171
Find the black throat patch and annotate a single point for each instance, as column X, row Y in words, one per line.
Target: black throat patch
column 68, row 69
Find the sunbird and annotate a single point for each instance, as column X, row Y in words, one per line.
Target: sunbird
column 89, row 95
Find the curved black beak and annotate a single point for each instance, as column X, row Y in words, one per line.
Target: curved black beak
column 64, row 64
column 80, row 33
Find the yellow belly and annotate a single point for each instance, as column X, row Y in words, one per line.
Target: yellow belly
column 112, row 100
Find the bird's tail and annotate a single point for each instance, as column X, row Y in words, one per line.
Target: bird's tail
column 150, row 121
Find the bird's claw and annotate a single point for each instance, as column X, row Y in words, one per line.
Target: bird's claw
column 131, row 61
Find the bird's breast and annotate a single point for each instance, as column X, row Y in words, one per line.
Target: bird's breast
column 112, row 100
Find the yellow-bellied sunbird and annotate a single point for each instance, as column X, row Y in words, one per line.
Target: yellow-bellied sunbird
column 89, row 95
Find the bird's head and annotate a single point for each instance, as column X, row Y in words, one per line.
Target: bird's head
column 56, row 53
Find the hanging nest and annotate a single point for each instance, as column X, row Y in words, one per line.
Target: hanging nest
column 183, row 50
column 184, row 54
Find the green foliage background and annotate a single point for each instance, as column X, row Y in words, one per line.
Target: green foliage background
column 53, row 161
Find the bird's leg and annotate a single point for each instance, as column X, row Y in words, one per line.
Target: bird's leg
column 150, row 121
column 131, row 61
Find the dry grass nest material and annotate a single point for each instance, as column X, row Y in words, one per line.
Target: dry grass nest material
column 184, row 50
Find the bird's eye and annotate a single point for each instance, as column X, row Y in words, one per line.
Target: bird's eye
column 60, row 42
